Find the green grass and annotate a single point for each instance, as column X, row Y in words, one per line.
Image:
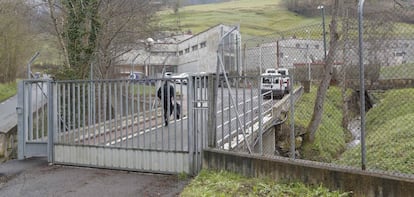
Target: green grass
column 212, row 183
column 404, row 71
column 330, row 138
column 7, row 90
column 256, row 18
column 389, row 134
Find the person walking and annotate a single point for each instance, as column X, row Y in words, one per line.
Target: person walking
column 166, row 94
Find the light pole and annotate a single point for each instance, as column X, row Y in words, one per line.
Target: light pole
column 322, row 8
column 307, row 55
column 132, row 64
column 260, row 59
column 149, row 42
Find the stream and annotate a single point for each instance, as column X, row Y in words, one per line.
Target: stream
column 354, row 127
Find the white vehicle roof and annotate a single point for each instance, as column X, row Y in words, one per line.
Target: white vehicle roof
column 271, row 75
column 270, row 70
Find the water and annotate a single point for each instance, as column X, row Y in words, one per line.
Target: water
column 354, row 127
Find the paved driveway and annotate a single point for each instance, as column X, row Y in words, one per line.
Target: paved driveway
column 35, row 177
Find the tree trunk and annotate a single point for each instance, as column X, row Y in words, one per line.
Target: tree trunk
column 323, row 87
column 59, row 33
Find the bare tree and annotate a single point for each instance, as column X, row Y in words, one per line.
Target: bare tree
column 323, row 87
column 125, row 23
column 57, row 17
column 15, row 38
column 99, row 31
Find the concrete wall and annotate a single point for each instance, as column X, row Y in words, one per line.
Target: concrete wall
column 361, row 183
column 8, row 144
column 383, row 84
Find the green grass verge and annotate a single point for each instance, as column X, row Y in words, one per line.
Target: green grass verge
column 7, row 90
column 389, row 134
column 256, row 18
column 330, row 139
column 212, row 183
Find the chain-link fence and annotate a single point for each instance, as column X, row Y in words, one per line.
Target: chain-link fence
column 388, row 57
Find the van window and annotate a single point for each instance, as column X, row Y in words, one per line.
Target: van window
column 282, row 72
column 267, row 80
column 270, row 80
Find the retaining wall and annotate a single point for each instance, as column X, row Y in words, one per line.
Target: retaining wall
column 361, row 183
column 8, row 144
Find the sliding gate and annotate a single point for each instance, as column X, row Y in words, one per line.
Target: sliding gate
column 119, row 124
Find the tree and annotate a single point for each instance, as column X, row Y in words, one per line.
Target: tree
column 327, row 76
column 15, row 39
column 99, row 31
column 125, row 24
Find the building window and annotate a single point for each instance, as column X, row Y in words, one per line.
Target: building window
column 180, row 53
column 187, row 50
column 194, row 47
column 203, row 44
column 399, row 54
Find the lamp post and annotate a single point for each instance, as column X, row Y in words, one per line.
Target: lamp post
column 307, row 55
column 149, row 42
column 322, row 8
column 132, row 64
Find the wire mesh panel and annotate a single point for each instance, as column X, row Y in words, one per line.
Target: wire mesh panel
column 388, row 58
column 332, row 98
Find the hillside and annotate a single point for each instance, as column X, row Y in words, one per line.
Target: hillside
column 256, row 18
column 389, row 134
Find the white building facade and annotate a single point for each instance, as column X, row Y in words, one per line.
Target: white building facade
column 186, row 54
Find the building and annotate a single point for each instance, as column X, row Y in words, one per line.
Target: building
column 185, row 53
column 283, row 54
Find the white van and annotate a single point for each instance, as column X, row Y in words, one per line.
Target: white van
column 272, row 85
column 284, row 72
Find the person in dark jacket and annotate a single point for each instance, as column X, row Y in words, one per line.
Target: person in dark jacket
column 166, row 93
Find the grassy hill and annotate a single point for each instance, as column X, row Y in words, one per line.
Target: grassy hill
column 330, row 139
column 7, row 90
column 389, row 134
column 256, row 18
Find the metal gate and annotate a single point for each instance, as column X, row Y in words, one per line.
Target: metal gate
column 33, row 118
column 115, row 124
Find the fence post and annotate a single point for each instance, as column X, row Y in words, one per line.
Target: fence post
column 362, row 81
column 191, row 132
column 50, row 118
column 292, row 120
column 20, row 121
column 212, row 111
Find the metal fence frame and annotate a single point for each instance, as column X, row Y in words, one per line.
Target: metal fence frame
column 80, row 131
